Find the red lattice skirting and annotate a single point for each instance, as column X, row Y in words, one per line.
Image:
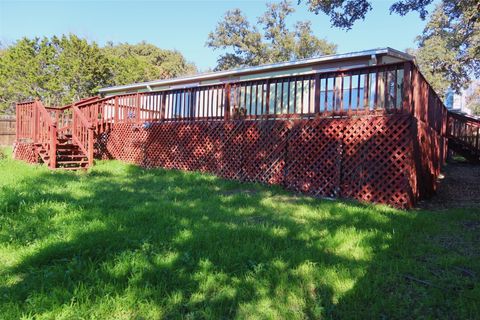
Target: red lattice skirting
column 369, row 158
column 25, row 151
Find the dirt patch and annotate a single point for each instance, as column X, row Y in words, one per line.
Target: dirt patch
column 459, row 188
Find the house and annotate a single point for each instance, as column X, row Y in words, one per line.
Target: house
column 364, row 125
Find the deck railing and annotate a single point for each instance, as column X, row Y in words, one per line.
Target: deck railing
column 26, row 121
column 360, row 91
column 46, row 132
column 465, row 130
column 373, row 90
column 381, row 89
column 36, row 125
column 83, row 133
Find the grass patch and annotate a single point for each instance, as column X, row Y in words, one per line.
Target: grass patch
column 120, row 242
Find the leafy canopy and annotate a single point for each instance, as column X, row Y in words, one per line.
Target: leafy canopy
column 449, row 48
column 60, row 70
column 57, row 70
column 143, row 62
column 247, row 46
column 473, row 100
column 344, row 13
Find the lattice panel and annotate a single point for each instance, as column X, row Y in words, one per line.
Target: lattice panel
column 369, row 158
column 378, row 160
column 161, row 147
column 185, row 146
column 25, row 152
column 231, row 160
column 264, row 151
column 126, row 142
column 314, row 157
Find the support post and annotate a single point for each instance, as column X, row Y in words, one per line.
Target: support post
column 115, row 116
column 407, row 84
column 317, row 95
column 162, row 106
column 267, row 99
column 226, row 112
column 35, row 121
column 53, row 146
column 137, row 116
column 17, row 121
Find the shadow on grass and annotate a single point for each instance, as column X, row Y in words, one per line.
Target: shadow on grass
column 123, row 241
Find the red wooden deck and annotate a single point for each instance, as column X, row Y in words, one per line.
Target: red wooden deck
column 372, row 133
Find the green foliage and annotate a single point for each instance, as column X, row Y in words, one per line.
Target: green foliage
column 344, row 13
column 60, row 70
column 449, row 47
column 120, row 242
column 56, row 70
column 250, row 47
column 144, row 61
column 473, row 100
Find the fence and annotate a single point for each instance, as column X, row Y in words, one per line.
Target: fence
column 7, row 130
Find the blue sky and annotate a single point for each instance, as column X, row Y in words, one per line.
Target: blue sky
column 184, row 25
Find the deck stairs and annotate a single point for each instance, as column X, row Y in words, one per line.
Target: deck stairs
column 464, row 136
column 69, row 156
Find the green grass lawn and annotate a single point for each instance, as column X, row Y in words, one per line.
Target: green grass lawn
column 120, row 242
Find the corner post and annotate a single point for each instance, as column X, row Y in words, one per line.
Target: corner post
column 35, row 121
column 90, row 146
column 16, row 122
column 53, row 146
column 407, row 88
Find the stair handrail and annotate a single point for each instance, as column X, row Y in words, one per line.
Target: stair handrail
column 25, row 120
column 46, row 133
column 465, row 129
column 83, row 133
column 88, row 101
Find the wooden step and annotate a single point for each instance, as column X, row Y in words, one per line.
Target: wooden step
column 71, row 156
column 72, row 162
column 71, row 168
column 67, row 146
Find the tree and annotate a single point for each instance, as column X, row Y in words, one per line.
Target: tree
column 80, row 67
column 472, row 100
column 56, row 70
column 144, row 62
column 449, row 48
column 344, row 13
column 250, row 47
column 60, row 70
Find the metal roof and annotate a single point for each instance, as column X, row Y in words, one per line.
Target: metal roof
column 263, row 68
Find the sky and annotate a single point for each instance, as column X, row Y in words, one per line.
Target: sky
column 185, row 25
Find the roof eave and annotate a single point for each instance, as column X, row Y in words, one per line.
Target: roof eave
column 263, row 68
